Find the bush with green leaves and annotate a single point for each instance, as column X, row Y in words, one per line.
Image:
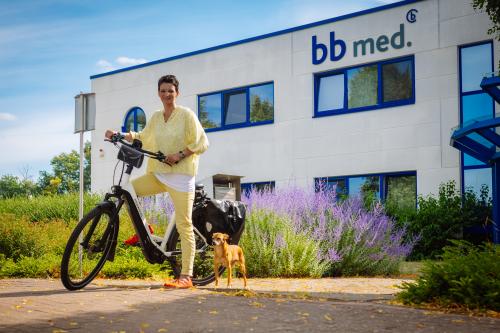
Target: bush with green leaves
column 445, row 217
column 468, row 276
column 274, row 249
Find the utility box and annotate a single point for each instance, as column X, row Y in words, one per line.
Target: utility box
column 227, row 187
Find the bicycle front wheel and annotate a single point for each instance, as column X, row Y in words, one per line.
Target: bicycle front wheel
column 88, row 248
column 203, row 268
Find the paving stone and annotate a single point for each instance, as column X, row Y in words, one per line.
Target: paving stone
column 30, row 305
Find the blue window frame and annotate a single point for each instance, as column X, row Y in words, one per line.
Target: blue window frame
column 235, row 108
column 257, row 186
column 397, row 187
column 367, row 87
column 135, row 120
column 475, row 60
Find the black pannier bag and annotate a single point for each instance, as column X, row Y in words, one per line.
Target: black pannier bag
column 224, row 216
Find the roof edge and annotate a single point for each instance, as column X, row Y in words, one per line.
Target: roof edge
column 251, row 39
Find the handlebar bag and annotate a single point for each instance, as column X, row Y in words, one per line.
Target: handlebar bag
column 224, row 216
column 130, row 156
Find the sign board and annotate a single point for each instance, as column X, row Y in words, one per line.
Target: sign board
column 84, row 112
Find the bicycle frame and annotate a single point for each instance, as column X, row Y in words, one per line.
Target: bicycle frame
column 153, row 246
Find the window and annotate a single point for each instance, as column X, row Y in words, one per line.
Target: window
column 259, row 187
column 475, row 61
column 398, row 188
column 210, row 111
column 331, row 93
column 362, row 87
column 401, row 190
column 247, row 106
column 373, row 86
column 135, row 120
column 363, row 186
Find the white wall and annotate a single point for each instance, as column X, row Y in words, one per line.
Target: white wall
column 297, row 147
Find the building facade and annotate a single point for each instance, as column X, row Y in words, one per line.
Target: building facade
column 362, row 101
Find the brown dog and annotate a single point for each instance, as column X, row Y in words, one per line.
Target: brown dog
column 227, row 255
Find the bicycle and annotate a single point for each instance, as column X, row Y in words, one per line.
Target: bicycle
column 95, row 238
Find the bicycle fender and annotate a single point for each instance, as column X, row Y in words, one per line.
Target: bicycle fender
column 109, row 205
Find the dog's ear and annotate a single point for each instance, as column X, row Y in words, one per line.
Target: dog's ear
column 226, row 236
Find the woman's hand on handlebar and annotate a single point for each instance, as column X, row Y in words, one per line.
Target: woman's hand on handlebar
column 109, row 133
column 172, row 159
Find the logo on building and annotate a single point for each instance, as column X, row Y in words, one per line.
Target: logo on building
column 337, row 48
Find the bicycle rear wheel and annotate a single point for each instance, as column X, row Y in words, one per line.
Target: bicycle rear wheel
column 88, row 248
column 203, row 268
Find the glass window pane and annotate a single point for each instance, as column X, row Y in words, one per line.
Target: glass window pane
column 397, row 81
column 262, row 103
column 470, row 161
column 401, row 191
column 209, row 111
column 474, row 179
column 141, row 120
column 364, row 186
column 362, row 86
column 339, row 185
column 264, row 186
column 129, row 122
column 235, row 107
column 476, row 62
column 331, row 93
column 261, row 187
column 477, row 106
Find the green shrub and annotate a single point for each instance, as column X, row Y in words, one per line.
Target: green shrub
column 34, row 249
column 443, row 218
column 21, row 238
column 47, row 265
column 274, row 249
column 49, row 207
column 468, row 275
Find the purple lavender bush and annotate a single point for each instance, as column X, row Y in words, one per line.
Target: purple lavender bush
column 273, row 248
column 351, row 239
column 158, row 208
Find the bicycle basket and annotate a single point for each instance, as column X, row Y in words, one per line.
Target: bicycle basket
column 224, row 216
column 130, row 156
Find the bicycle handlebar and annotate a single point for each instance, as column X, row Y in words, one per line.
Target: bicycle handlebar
column 118, row 137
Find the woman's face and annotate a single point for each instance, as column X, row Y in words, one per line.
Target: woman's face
column 168, row 93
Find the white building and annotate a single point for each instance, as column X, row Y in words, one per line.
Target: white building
column 366, row 98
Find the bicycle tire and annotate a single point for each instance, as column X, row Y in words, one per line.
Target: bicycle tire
column 203, row 268
column 74, row 276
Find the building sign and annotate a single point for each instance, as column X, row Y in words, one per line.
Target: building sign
column 336, row 48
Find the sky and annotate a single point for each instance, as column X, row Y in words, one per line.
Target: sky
column 50, row 48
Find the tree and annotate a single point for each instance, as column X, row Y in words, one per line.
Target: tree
column 492, row 8
column 65, row 175
column 12, row 186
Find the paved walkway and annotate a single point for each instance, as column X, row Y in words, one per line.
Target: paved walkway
column 325, row 305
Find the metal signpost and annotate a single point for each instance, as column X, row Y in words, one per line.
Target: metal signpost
column 84, row 121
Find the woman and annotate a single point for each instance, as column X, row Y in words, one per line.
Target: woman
column 177, row 133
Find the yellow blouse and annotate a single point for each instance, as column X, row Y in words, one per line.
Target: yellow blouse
column 181, row 130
